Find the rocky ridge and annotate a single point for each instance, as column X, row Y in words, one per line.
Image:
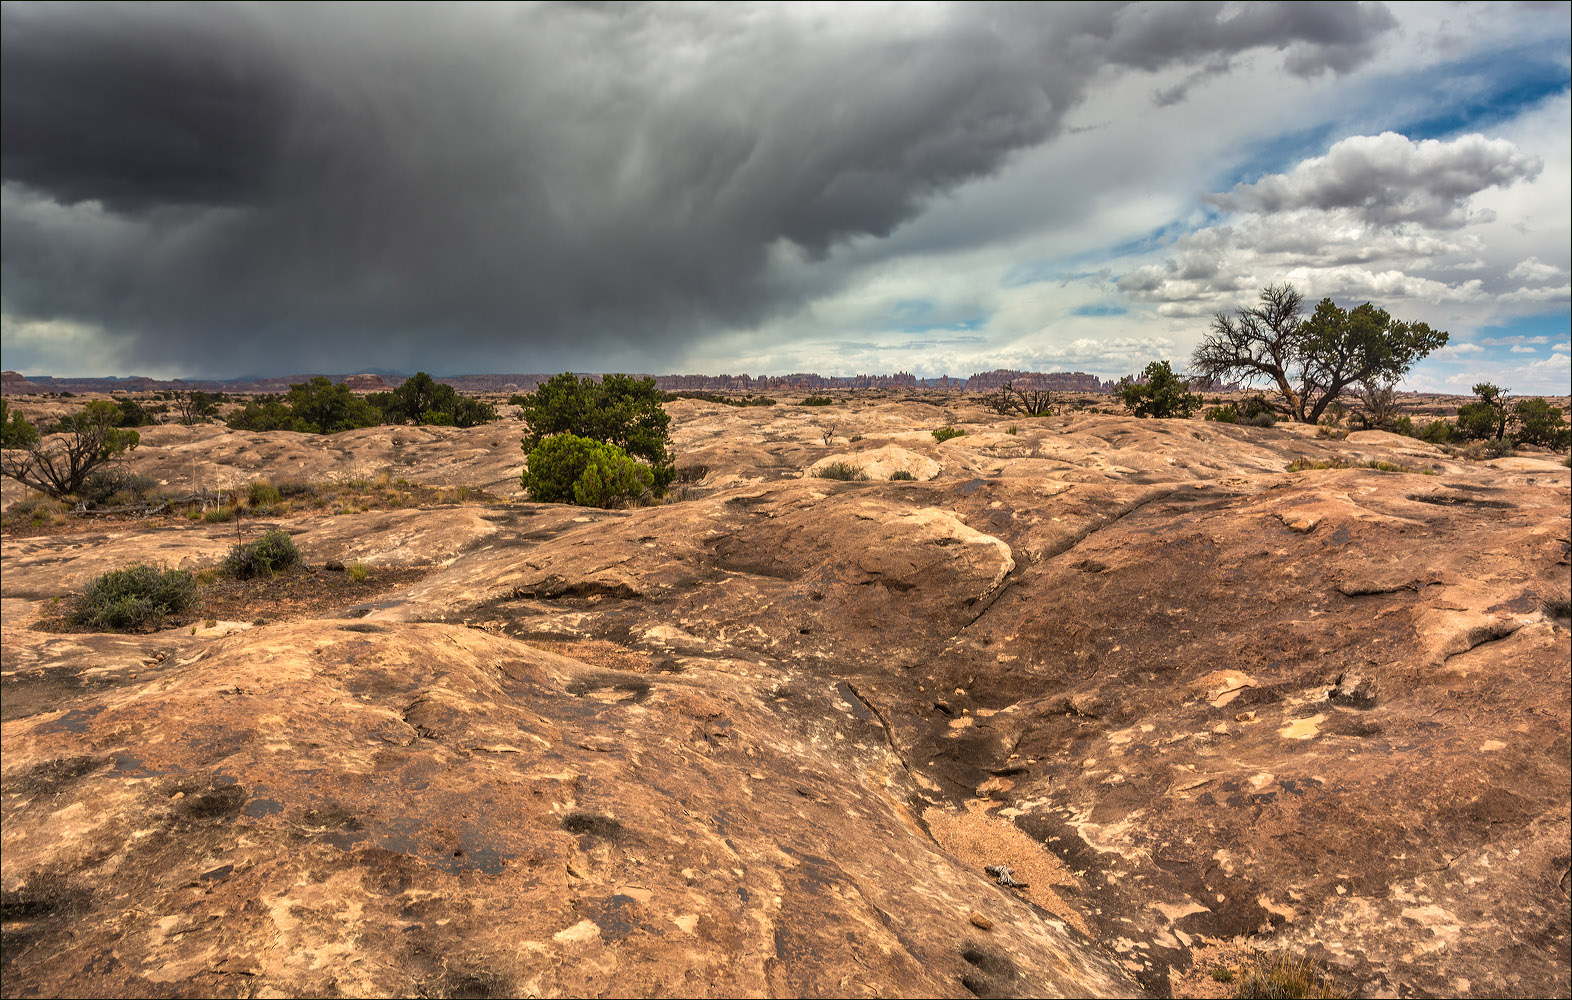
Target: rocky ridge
column 766, row 740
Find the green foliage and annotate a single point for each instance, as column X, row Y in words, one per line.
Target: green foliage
column 320, row 406
column 218, row 515
column 1227, row 414
column 262, row 493
column 710, row 397
column 194, row 405
column 818, row 401
column 35, row 509
column 1540, row 423
column 902, row 476
column 843, row 471
column 58, row 464
column 138, row 596
column 567, row 468
column 115, row 487
column 1159, row 392
column 618, row 410
column 359, row 572
column 133, row 413
column 1311, row 361
column 273, row 552
column 16, row 431
column 262, row 413
column 423, row 400
column 1487, row 416
column 944, row 434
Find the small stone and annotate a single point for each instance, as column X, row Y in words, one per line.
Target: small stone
column 980, row 921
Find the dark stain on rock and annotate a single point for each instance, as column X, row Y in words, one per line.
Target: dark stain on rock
column 593, row 825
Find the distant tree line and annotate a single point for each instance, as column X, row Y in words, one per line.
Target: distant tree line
column 321, row 406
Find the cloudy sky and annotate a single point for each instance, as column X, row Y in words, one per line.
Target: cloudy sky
column 223, row 190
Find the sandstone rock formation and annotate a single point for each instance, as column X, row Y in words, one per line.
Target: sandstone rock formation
column 766, row 740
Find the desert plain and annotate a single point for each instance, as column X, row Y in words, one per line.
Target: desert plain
column 765, row 739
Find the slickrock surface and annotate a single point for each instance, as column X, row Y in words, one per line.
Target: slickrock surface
column 765, row 740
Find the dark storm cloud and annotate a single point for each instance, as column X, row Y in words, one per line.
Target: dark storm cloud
column 252, row 187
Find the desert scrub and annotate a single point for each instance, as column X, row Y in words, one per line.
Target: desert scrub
column 843, row 471
column 1305, row 465
column 818, row 401
column 136, row 597
column 358, row 572
column 35, row 511
column 218, row 515
column 274, row 551
column 263, row 494
column 946, row 433
column 1283, row 978
column 901, row 475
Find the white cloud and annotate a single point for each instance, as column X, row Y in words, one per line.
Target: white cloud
column 1533, row 269
column 1388, row 179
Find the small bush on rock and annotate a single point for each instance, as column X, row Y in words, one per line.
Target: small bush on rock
column 138, row 596
column 566, row 468
column 902, row 476
column 946, row 433
column 843, row 471
column 273, row 552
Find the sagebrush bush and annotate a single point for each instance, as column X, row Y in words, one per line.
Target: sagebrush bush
column 269, row 554
column 138, row 596
column 566, row 468
column 264, row 494
column 843, row 471
column 115, row 486
column 35, row 509
column 943, row 434
column 1282, row 978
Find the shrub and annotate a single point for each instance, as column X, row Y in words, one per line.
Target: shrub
column 35, row 509
column 218, row 515
column 138, row 596
column 1159, row 392
column 1223, row 414
column 902, row 476
column 274, row 551
column 946, row 433
column 115, row 487
column 1259, row 420
column 133, row 413
column 264, row 494
column 618, row 410
column 567, row 468
column 843, row 471
column 1282, row 979
column 818, row 401
column 359, row 572
column 16, row 431
column 1540, row 423
column 1012, row 429
column 79, row 444
column 1436, row 432
column 711, row 397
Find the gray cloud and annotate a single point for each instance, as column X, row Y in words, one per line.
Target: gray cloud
column 1390, row 179
column 249, row 188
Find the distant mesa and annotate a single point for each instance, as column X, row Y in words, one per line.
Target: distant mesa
column 365, row 383
column 13, row 384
